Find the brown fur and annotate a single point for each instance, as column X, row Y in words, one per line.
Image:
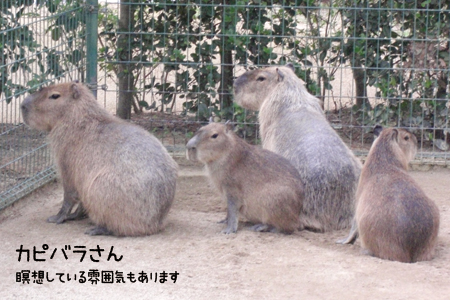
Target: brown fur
column 293, row 125
column 262, row 185
column 394, row 218
column 121, row 174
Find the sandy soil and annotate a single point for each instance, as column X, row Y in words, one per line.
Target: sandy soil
column 246, row 265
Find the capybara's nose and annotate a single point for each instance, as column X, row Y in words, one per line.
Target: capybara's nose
column 25, row 104
column 239, row 81
column 191, row 144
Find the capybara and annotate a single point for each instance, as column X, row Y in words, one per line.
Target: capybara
column 261, row 185
column 121, row 175
column 293, row 125
column 394, row 218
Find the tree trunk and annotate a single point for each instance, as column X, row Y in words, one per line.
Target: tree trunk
column 360, row 84
column 226, row 85
column 125, row 74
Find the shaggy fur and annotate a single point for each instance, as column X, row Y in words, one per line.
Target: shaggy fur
column 121, row 174
column 293, row 125
column 262, row 185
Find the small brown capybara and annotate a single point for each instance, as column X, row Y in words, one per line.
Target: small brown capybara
column 261, row 185
column 120, row 174
column 395, row 220
column 293, row 125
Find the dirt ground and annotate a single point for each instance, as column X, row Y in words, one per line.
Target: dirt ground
column 246, row 265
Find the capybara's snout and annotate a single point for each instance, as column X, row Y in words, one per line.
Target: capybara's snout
column 25, row 104
column 238, row 82
column 191, row 150
column 191, row 144
column 25, row 107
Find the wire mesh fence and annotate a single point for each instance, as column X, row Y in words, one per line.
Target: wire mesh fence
column 170, row 65
column 370, row 62
column 42, row 42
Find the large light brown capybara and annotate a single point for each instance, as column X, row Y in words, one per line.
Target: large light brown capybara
column 261, row 185
column 394, row 218
column 120, row 174
column 293, row 125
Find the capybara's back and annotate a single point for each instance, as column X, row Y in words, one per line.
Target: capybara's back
column 261, row 185
column 121, row 174
column 292, row 124
column 395, row 219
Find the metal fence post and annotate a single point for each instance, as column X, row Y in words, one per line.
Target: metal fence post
column 91, row 44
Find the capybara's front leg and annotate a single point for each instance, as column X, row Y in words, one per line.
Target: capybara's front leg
column 70, row 199
column 232, row 216
column 79, row 214
column 62, row 214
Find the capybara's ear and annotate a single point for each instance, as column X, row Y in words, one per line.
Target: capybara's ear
column 291, row 66
column 377, row 130
column 75, row 91
column 228, row 126
column 76, row 81
column 395, row 134
column 280, row 75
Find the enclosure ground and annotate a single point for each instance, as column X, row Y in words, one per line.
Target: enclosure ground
column 246, row 265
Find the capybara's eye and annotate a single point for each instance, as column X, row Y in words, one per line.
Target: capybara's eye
column 406, row 138
column 260, row 78
column 55, row 96
column 214, row 135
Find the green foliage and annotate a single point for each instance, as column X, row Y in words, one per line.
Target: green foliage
column 246, row 126
column 191, row 51
column 15, row 42
column 197, row 47
column 23, row 54
column 404, row 53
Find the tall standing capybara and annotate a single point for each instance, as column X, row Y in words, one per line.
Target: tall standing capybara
column 394, row 218
column 120, row 174
column 292, row 124
column 261, row 185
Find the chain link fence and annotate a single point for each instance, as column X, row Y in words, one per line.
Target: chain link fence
column 42, row 42
column 170, row 65
column 371, row 62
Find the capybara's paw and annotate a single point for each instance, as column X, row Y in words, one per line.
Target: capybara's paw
column 352, row 236
column 229, row 230
column 365, row 251
column 261, row 228
column 58, row 219
column 342, row 241
column 99, row 230
column 224, row 221
column 347, row 240
column 79, row 214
